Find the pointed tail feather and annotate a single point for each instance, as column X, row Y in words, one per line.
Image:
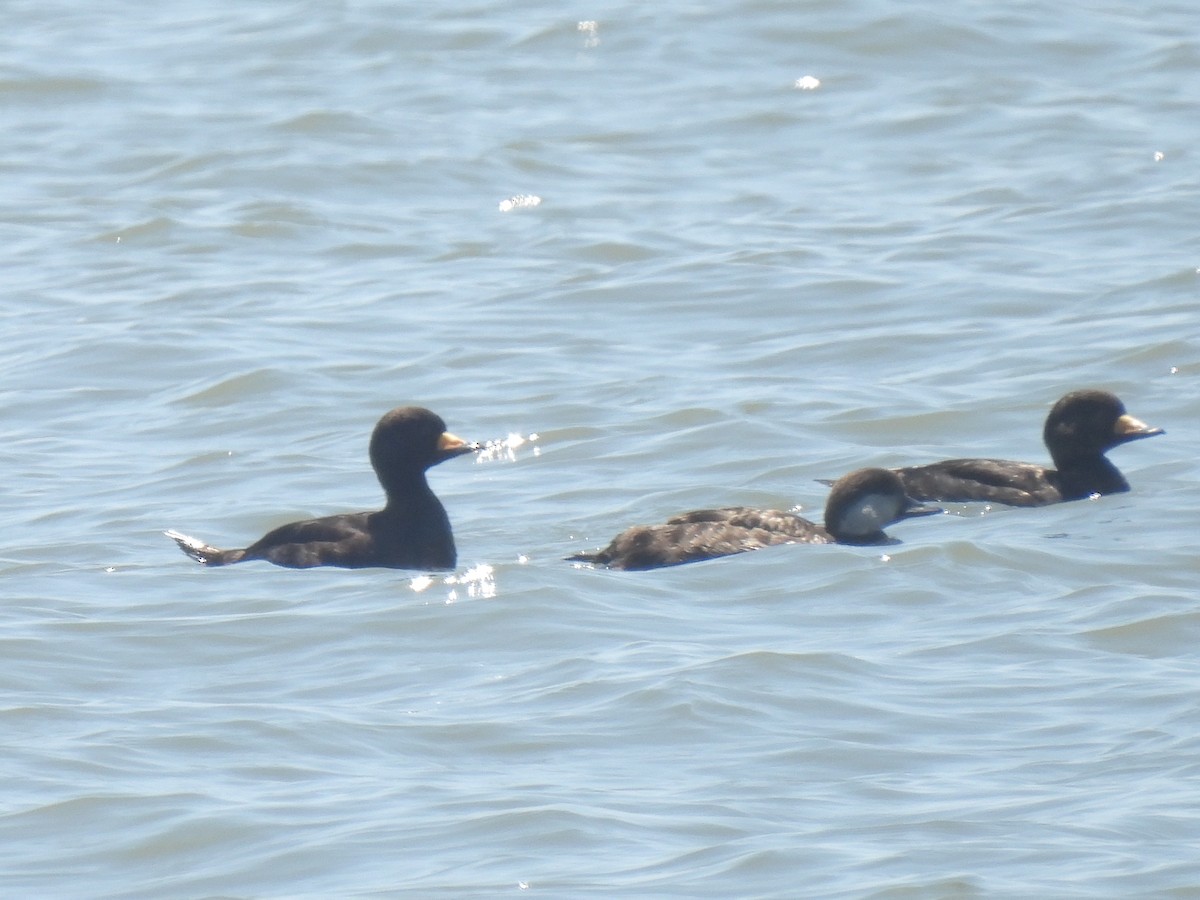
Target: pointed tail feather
column 201, row 552
column 583, row 557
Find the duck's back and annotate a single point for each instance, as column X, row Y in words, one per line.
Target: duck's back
column 986, row 480
column 341, row 540
column 705, row 534
column 387, row 539
column 773, row 520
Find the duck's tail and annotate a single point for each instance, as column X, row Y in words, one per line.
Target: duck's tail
column 202, row 552
column 592, row 558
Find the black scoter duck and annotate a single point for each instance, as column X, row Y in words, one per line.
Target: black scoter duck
column 1080, row 429
column 412, row 530
column 860, row 506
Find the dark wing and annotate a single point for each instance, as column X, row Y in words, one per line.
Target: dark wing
column 708, row 515
column 678, row 542
column 342, row 540
column 983, row 480
column 747, row 517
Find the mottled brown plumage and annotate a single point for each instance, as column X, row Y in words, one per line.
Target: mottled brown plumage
column 859, row 507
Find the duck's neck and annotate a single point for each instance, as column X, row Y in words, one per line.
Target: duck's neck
column 1082, row 476
column 407, row 492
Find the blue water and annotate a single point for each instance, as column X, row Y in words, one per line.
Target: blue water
column 643, row 240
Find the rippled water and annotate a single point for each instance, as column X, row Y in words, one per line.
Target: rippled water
column 705, row 257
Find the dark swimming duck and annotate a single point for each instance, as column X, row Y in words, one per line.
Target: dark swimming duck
column 860, row 506
column 411, row 532
column 1080, row 429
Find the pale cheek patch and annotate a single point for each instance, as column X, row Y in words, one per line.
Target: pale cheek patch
column 872, row 515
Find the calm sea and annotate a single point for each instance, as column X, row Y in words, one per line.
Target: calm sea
column 691, row 255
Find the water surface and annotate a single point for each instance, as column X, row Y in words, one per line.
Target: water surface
column 237, row 236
